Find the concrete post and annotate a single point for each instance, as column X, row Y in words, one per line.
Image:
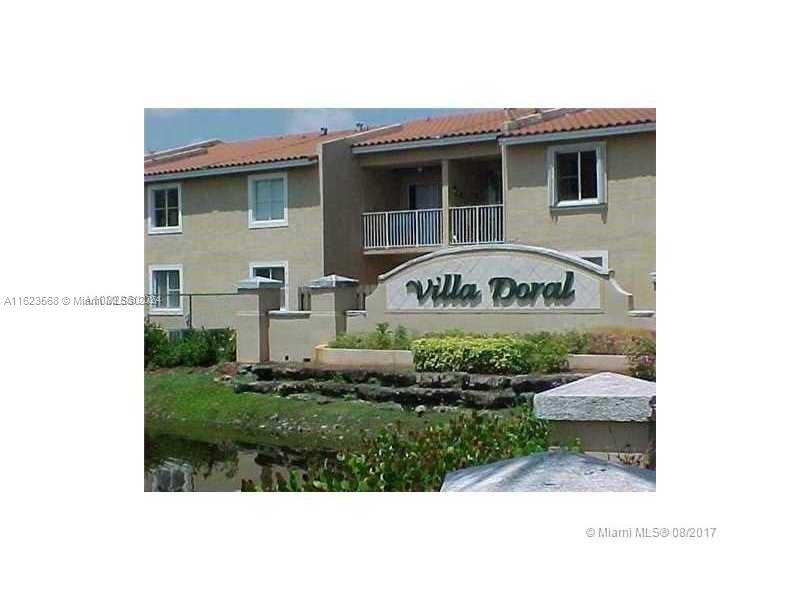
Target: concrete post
column 332, row 296
column 252, row 324
column 445, row 202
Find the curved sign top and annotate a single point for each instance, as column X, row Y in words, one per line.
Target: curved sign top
column 499, row 277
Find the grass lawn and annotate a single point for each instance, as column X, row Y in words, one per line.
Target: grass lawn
column 189, row 403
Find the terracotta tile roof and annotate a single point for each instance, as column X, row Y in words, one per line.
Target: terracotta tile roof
column 290, row 147
column 489, row 121
column 590, row 118
column 250, row 152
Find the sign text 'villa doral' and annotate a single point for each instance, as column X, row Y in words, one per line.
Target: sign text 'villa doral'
column 451, row 287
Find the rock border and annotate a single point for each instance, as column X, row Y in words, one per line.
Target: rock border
column 406, row 388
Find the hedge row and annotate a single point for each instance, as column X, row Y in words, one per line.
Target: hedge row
column 501, row 355
column 194, row 348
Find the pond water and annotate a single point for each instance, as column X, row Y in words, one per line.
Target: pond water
column 177, row 464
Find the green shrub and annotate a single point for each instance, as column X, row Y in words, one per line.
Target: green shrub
column 383, row 338
column 155, row 339
column 194, row 348
column 545, row 352
column 641, row 352
column 577, row 342
column 473, row 355
column 603, row 340
column 508, row 355
column 418, row 461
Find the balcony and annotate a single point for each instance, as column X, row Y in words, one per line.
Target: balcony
column 401, row 230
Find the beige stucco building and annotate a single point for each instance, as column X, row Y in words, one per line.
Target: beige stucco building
column 360, row 203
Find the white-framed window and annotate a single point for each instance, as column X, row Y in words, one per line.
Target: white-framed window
column 166, row 287
column 278, row 270
column 165, row 208
column 576, row 175
column 598, row 257
column 267, row 200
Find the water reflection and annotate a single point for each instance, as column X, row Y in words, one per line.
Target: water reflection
column 176, row 464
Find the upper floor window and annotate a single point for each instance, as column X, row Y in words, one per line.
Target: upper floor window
column 267, row 200
column 165, row 208
column 577, row 175
column 166, row 289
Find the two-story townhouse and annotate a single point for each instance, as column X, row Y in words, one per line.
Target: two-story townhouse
column 357, row 204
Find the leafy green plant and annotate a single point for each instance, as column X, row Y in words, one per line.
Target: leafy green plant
column 545, row 353
column 502, row 355
column 155, row 340
column 195, row 348
column 641, row 353
column 418, row 461
column 383, row 338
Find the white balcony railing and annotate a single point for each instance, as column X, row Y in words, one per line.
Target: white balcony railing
column 402, row 228
column 476, row 224
column 415, row 228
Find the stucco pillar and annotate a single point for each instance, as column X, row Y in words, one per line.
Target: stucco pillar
column 445, row 202
column 252, row 324
column 332, row 296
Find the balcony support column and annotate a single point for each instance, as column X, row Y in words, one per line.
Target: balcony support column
column 445, row 202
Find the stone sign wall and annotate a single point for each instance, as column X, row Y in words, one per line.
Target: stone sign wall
column 499, row 288
column 498, row 280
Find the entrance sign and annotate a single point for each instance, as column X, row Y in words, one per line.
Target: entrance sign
column 496, row 278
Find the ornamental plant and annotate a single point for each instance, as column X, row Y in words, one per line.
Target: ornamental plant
column 505, row 355
column 418, row 461
column 383, row 338
column 194, row 348
column 641, row 353
column 155, row 340
column 502, row 355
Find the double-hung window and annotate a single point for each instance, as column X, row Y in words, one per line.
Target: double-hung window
column 274, row 270
column 165, row 208
column 267, row 205
column 577, row 175
column 166, row 288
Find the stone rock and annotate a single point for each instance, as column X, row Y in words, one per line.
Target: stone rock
column 397, row 378
column 262, row 372
column 533, row 382
column 286, row 388
column 524, row 383
column 333, row 388
column 302, row 397
column 601, row 397
column 258, row 387
column 416, row 395
column 479, row 399
column 293, row 372
column 486, row 382
column 376, row 393
column 228, row 368
column 420, row 410
column 440, row 380
column 551, row 472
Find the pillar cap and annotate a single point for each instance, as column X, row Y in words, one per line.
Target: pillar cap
column 331, row 281
column 257, row 283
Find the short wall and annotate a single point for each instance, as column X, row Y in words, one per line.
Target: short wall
column 603, row 436
column 590, row 363
column 342, row 357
